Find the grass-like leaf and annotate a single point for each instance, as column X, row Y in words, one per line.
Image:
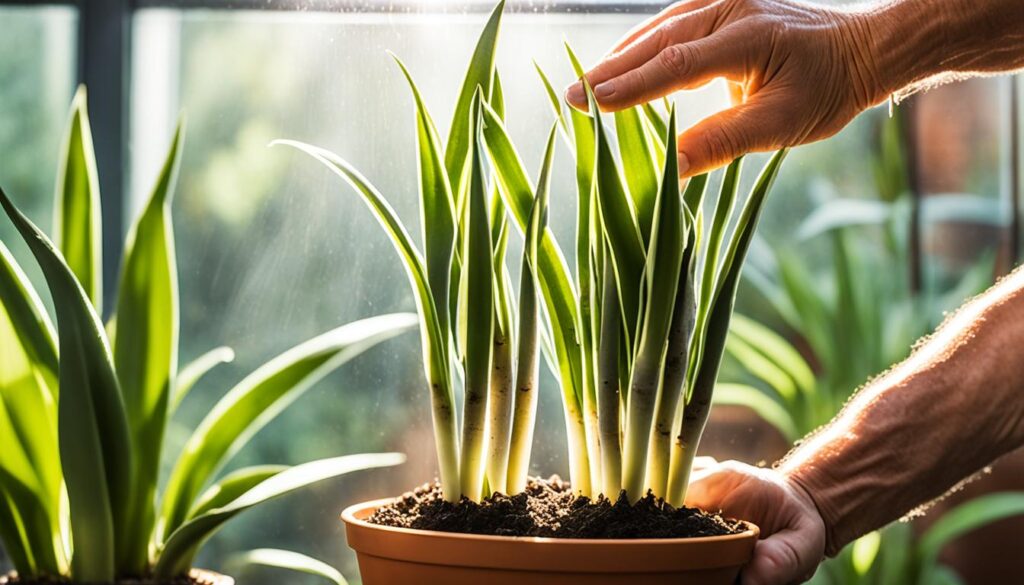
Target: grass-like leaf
column 190, row 375
column 78, row 221
column 524, row 416
column 177, row 553
column 965, row 518
column 292, row 561
column 669, row 236
column 638, row 155
column 437, row 205
column 233, row 485
column 479, row 312
column 479, row 74
column 771, row 411
column 95, row 441
column 28, row 319
column 259, row 398
column 146, row 348
column 434, row 339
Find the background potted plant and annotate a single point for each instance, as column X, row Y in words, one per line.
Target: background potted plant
column 83, row 409
column 635, row 338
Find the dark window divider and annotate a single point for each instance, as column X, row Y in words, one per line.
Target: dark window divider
column 104, row 41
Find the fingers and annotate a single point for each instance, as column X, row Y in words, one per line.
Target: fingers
column 785, row 557
column 677, row 67
column 677, row 9
column 755, row 126
column 677, row 30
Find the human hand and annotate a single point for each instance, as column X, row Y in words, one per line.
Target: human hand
column 797, row 73
column 792, row 532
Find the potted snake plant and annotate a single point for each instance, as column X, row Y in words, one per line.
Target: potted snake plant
column 83, row 406
column 634, row 338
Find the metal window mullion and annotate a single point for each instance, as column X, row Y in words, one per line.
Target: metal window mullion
column 103, row 66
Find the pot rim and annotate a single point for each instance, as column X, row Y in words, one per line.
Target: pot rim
column 350, row 516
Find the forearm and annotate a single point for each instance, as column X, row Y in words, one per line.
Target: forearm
column 908, row 45
column 952, row 408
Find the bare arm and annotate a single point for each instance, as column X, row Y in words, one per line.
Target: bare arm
column 800, row 72
column 953, row 407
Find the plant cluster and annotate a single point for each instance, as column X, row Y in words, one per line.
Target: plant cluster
column 635, row 337
column 83, row 409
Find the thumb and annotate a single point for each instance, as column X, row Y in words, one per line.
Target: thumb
column 754, row 126
column 782, row 558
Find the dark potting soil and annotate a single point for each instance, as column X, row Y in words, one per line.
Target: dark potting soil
column 13, row 580
column 548, row 508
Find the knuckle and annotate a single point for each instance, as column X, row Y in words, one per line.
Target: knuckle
column 676, row 59
column 721, row 144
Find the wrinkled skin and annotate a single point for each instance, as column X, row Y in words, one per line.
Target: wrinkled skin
column 792, row 530
column 797, row 73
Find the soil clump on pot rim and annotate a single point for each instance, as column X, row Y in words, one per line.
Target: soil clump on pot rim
column 548, row 508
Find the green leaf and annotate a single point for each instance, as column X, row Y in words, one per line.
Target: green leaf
column 719, row 309
column 292, row 561
column 259, row 398
column 620, row 227
column 175, row 557
column 771, row 411
column 13, row 537
column 556, row 285
column 95, row 443
column 479, row 312
column 655, row 119
column 639, row 161
column 481, row 68
column 233, row 485
column 28, row 319
column 78, row 221
column 146, row 347
column 664, row 263
column 762, row 368
column 865, row 551
column 434, row 340
column 965, row 518
column 191, row 374
column 843, row 212
column 437, row 206
column 33, row 503
column 774, row 347
column 554, row 101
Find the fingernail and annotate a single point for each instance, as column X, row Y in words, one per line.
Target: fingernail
column 684, row 163
column 604, row 90
column 574, row 95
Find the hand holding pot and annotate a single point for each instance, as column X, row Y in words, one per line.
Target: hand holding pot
column 798, row 72
column 793, row 533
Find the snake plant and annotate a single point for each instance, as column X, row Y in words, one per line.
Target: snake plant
column 635, row 338
column 473, row 327
column 83, row 407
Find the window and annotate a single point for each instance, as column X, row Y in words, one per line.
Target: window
column 272, row 249
column 37, row 73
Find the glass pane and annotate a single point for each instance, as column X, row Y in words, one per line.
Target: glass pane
column 37, row 72
column 273, row 249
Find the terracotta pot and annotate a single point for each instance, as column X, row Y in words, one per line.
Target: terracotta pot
column 200, row 576
column 399, row 556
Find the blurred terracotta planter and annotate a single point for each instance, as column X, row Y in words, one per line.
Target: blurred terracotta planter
column 198, row 575
column 399, row 556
